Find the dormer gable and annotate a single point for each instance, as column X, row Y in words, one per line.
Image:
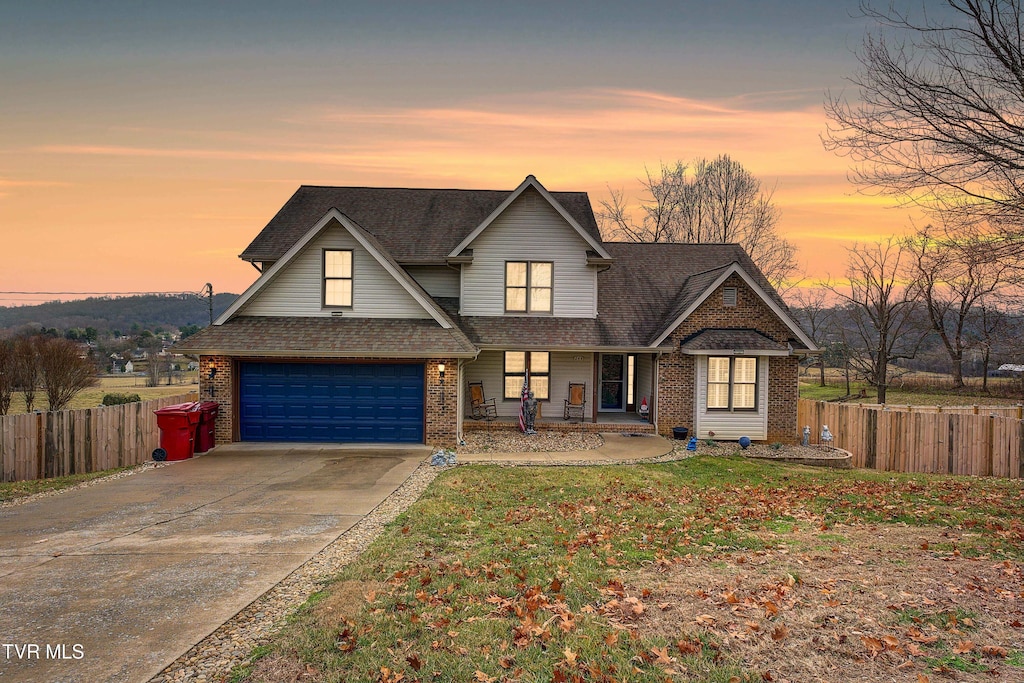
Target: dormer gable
column 297, row 284
column 529, row 257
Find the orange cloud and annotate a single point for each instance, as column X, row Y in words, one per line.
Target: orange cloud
column 128, row 213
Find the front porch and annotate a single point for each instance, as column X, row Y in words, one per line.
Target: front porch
column 615, row 385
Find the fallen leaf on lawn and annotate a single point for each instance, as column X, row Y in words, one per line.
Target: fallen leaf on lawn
column 780, row 632
column 482, row 677
column 689, row 647
column 611, row 638
column 506, row 662
column 414, row 662
column 874, row 645
column 705, row 620
column 994, row 651
column 891, row 642
column 570, row 656
column 916, row 635
column 556, row 586
column 963, row 647
column 921, row 678
column 661, row 656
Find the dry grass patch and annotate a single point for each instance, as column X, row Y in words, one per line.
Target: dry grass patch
column 344, row 602
column 881, row 603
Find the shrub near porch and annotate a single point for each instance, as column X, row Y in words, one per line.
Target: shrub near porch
column 714, row 568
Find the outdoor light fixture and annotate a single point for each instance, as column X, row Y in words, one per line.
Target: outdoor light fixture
column 212, row 389
column 440, row 370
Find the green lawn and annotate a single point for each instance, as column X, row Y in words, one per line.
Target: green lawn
column 20, row 489
column 717, row 569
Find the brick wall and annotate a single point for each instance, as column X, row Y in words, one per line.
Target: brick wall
column 677, row 371
column 442, row 407
column 676, row 375
column 783, row 397
column 223, row 392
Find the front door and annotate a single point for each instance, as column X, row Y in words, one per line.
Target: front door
column 613, row 382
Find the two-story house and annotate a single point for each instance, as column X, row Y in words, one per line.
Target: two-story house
column 375, row 309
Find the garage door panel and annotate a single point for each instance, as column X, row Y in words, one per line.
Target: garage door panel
column 331, row 402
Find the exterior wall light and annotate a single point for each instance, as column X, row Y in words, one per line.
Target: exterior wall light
column 440, row 370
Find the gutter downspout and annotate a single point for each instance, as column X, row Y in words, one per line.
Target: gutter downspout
column 458, row 401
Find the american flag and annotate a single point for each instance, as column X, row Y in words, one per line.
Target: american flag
column 523, row 395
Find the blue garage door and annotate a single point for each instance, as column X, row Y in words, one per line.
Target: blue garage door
column 331, row 402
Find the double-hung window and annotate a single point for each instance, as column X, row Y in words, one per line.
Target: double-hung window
column 528, row 286
column 518, row 363
column 732, row 383
column 337, row 277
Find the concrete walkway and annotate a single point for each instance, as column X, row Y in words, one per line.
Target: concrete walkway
column 113, row 582
column 617, row 448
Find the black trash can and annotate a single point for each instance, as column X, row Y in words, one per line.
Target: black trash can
column 680, row 433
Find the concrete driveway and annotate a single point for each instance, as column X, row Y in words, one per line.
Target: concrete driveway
column 114, row 581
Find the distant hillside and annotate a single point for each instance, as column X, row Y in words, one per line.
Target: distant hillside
column 108, row 314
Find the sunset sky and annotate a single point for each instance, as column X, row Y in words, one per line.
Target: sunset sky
column 143, row 145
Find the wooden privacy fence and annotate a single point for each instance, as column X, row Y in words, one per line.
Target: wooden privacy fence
column 43, row 445
column 973, row 440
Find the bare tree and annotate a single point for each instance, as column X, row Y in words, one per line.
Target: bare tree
column 811, row 308
column 990, row 321
column 660, row 210
column 26, row 369
column 879, row 310
column 714, row 201
column 7, row 375
column 64, row 371
column 954, row 271
column 939, row 118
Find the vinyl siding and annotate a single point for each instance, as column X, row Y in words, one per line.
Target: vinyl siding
column 644, row 379
column 437, row 280
column 530, row 230
column 489, row 368
column 297, row 290
column 728, row 425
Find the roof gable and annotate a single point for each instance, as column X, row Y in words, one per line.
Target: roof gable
column 531, row 182
column 688, row 304
column 367, row 241
column 413, row 225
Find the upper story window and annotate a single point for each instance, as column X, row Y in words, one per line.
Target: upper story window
column 732, row 383
column 528, row 286
column 337, row 277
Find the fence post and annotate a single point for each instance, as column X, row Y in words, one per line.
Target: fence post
column 990, row 445
column 40, row 447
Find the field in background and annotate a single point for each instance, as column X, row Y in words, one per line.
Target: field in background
column 119, row 384
column 914, row 388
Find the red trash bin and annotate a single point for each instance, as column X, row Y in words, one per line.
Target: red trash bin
column 177, row 425
column 206, row 436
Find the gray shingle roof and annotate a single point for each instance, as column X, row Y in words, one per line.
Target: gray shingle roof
column 731, row 339
column 328, row 338
column 414, row 225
